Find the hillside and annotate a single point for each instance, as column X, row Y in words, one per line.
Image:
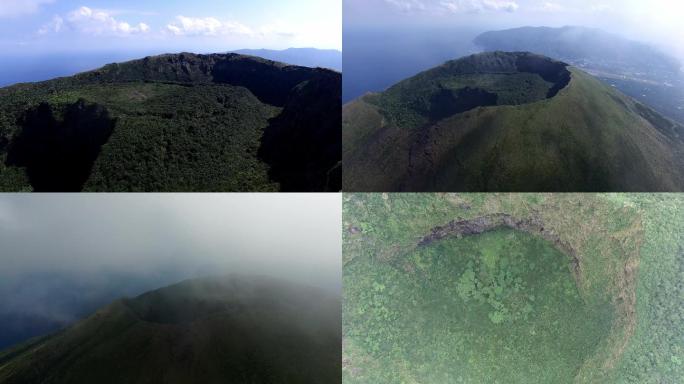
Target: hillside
column 513, row 288
column 503, row 121
column 185, row 122
column 236, row 329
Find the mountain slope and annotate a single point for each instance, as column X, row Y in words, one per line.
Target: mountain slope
column 216, row 330
column 508, row 122
column 171, row 123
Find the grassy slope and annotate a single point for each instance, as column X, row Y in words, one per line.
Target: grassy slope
column 586, row 138
column 209, row 331
column 607, row 231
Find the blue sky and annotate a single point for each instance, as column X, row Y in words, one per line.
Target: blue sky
column 656, row 21
column 63, row 26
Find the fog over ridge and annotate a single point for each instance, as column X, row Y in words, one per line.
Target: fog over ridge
column 64, row 255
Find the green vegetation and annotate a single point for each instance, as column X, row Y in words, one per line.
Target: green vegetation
column 407, row 106
column 592, row 294
column 173, row 123
column 656, row 353
column 490, row 79
column 227, row 330
column 208, row 143
column 483, row 123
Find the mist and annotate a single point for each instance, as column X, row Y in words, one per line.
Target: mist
column 64, row 256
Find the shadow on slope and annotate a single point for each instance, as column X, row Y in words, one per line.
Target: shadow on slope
column 59, row 153
column 302, row 145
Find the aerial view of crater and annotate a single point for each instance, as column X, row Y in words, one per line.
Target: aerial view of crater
column 512, row 288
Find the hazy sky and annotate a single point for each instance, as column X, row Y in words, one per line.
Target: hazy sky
column 292, row 236
column 656, row 21
column 168, row 25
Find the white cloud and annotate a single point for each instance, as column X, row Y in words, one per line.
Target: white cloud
column 454, row 6
column 407, row 5
column 207, row 26
column 93, row 22
column 548, row 6
column 478, row 6
column 101, row 23
column 55, row 26
column 280, row 29
column 570, row 7
column 11, row 8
